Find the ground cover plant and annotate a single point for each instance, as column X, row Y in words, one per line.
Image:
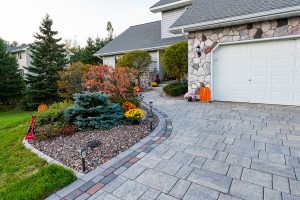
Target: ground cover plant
column 23, row 175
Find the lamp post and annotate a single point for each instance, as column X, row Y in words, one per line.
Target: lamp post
column 151, row 115
column 83, row 155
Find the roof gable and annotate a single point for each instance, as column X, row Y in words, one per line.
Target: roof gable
column 140, row 37
column 165, row 5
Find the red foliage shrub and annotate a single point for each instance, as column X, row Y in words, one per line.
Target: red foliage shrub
column 109, row 80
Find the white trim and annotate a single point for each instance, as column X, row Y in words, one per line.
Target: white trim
column 236, row 43
column 170, row 6
column 261, row 16
column 125, row 51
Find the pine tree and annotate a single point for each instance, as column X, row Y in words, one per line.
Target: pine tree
column 11, row 82
column 48, row 58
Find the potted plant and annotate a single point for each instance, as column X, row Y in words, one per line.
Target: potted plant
column 190, row 96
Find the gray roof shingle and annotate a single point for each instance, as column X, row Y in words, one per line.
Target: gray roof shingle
column 163, row 2
column 144, row 36
column 16, row 49
column 208, row 10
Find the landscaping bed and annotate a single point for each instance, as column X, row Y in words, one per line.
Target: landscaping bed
column 114, row 141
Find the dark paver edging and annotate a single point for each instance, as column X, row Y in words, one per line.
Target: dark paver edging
column 95, row 180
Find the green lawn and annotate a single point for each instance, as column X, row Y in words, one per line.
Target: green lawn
column 23, row 175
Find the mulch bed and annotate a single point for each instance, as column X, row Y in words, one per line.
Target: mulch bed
column 114, row 141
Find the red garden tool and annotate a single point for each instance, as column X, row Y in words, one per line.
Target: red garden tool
column 31, row 131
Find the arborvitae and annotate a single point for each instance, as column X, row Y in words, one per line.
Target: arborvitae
column 11, row 82
column 48, row 58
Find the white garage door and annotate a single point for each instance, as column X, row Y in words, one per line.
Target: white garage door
column 263, row 72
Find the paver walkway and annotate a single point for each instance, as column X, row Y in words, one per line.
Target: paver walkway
column 216, row 151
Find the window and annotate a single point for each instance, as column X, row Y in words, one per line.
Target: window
column 20, row 55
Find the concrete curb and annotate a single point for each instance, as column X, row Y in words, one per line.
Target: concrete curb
column 48, row 158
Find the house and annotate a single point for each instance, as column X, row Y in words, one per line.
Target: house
column 152, row 37
column 245, row 51
column 22, row 53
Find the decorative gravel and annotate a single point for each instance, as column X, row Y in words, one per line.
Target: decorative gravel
column 114, row 141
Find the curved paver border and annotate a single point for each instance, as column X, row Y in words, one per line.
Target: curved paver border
column 95, row 180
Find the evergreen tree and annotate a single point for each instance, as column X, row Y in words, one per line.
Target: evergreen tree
column 11, row 82
column 48, row 58
column 86, row 54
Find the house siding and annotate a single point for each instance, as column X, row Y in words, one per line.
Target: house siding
column 168, row 19
column 110, row 61
column 200, row 67
column 154, row 62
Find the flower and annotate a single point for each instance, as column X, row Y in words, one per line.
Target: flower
column 134, row 114
column 154, row 84
column 128, row 106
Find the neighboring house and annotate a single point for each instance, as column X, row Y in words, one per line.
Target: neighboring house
column 22, row 53
column 245, row 51
column 152, row 37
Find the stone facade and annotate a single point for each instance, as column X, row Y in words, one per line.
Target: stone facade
column 200, row 67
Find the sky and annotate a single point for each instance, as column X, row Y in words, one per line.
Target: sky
column 73, row 19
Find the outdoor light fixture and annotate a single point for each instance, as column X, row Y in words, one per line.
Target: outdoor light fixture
column 198, row 49
column 83, row 155
column 151, row 115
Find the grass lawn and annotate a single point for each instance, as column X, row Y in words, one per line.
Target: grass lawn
column 23, row 175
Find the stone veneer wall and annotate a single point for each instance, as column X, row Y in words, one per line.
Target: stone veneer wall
column 199, row 67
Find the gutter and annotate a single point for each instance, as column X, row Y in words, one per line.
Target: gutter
column 169, row 6
column 122, row 52
column 262, row 16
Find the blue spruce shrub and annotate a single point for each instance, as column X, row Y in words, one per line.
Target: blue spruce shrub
column 94, row 111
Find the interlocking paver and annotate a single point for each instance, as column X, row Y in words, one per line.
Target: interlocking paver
column 281, row 184
column 272, row 157
column 224, row 151
column 247, row 191
column 183, row 158
column 168, row 167
column 270, row 194
column 157, row 180
column 273, row 168
column 257, row 177
column 149, row 161
column 180, row 189
column 295, row 187
column 235, row 171
column 198, row 162
column 216, row 166
column 150, row 194
column 184, row 172
column 210, row 179
column 196, row 192
column 130, row 190
column 238, row 160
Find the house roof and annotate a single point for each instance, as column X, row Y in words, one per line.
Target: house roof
column 17, row 49
column 203, row 12
column 164, row 2
column 140, row 37
column 164, row 5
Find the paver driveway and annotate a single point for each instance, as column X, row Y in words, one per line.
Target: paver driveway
column 217, row 151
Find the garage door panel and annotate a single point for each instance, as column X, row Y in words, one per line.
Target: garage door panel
column 264, row 72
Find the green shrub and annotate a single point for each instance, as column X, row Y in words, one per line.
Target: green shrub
column 176, row 89
column 55, row 129
column 175, row 60
column 119, row 100
column 93, row 110
column 55, row 113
